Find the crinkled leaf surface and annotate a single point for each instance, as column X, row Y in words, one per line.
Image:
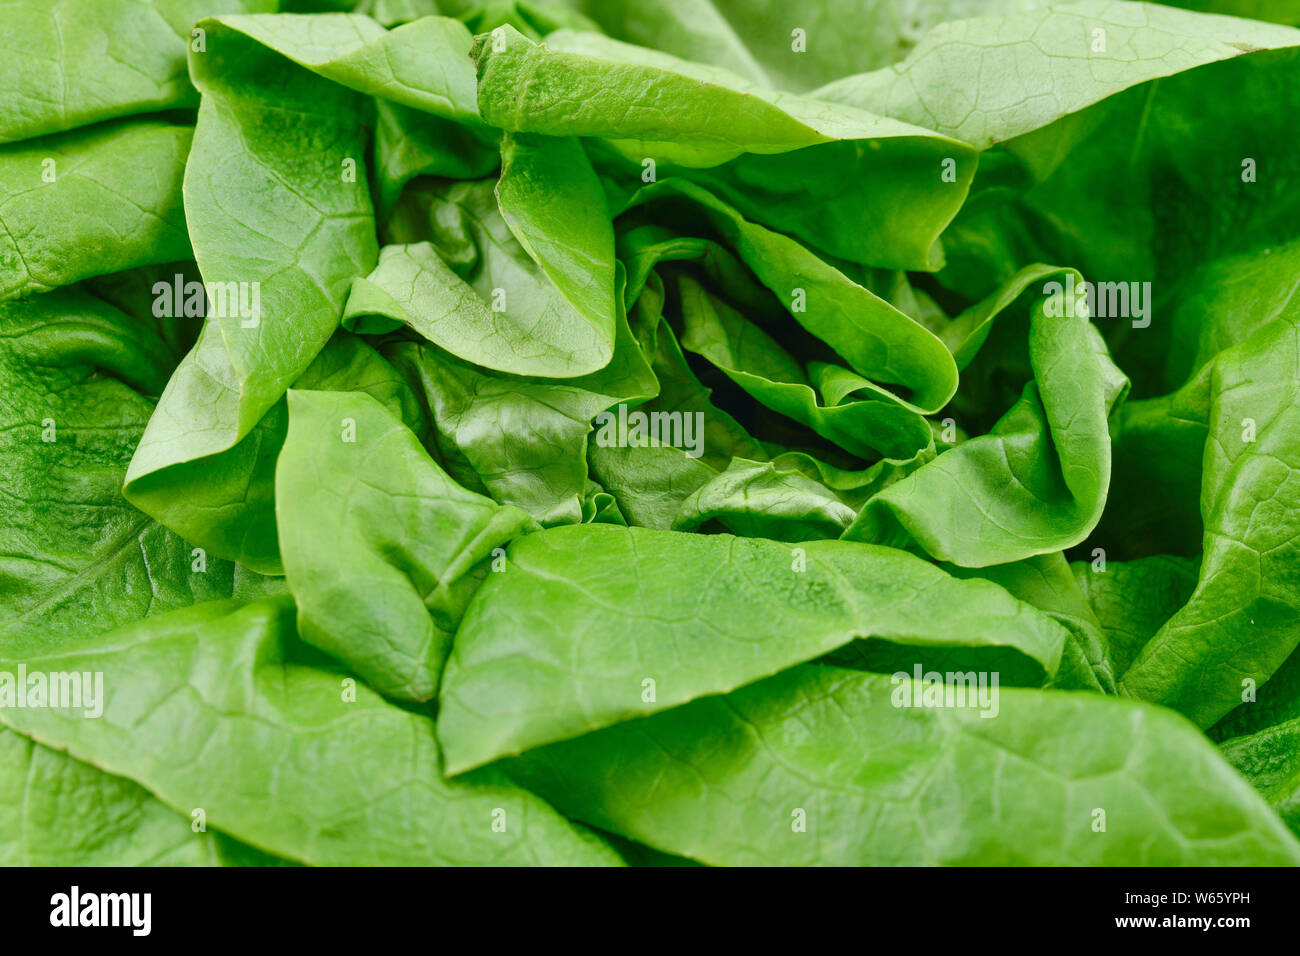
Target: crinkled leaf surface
column 353, row 482
column 1052, row 446
column 686, row 116
column 112, row 58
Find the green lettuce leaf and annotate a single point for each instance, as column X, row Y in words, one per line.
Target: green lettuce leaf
column 518, row 676
column 410, row 545
column 817, row 766
column 298, row 244
column 271, row 728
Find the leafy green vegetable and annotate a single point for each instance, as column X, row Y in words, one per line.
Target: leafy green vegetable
column 1243, row 620
column 115, row 218
column 656, row 433
column 61, row 812
column 1139, row 41
column 687, row 117
column 407, row 539
column 877, row 784
column 76, row 62
column 272, row 729
column 518, row 677
column 557, row 298
column 301, row 236
column 76, row 373
column 1052, row 446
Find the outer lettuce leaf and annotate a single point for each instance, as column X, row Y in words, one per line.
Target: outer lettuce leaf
column 1188, row 200
column 423, row 64
column 632, row 94
column 80, row 560
column 115, row 58
column 420, row 75
column 77, row 558
column 519, row 676
column 1056, row 48
column 690, row 29
column 99, row 214
column 754, row 37
column 58, row 811
column 271, row 727
column 721, row 779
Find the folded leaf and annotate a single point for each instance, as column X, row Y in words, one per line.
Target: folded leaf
column 381, row 549
column 301, row 234
column 536, row 296
column 739, row 34
column 520, row 676
column 424, row 64
column 760, row 499
column 226, row 501
column 871, row 336
column 1243, row 620
column 751, row 359
column 685, row 116
column 1052, row 446
column 1045, row 582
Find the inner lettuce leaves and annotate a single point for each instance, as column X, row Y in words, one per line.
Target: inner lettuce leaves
column 679, row 432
